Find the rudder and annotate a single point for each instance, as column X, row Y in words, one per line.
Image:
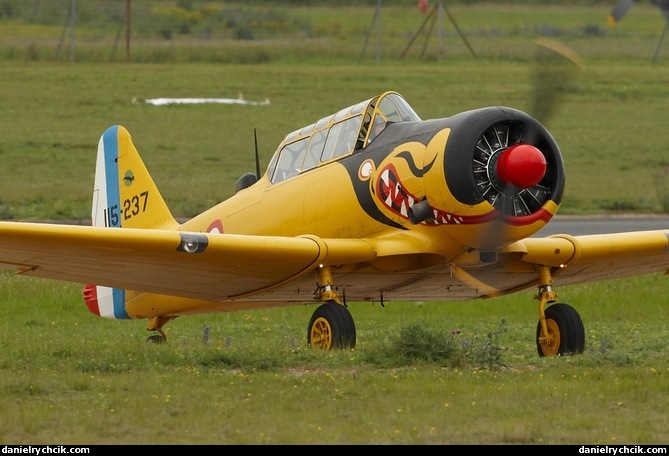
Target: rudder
column 124, row 194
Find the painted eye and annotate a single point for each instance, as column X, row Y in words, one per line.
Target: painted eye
column 366, row 169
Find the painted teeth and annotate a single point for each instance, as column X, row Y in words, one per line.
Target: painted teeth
column 385, row 177
column 403, row 210
column 399, row 201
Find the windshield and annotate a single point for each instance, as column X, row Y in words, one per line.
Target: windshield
column 337, row 135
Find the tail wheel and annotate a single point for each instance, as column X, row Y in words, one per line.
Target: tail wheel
column 566, row 330
column 331, row 326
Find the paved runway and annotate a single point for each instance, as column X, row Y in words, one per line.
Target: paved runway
column 577, row 225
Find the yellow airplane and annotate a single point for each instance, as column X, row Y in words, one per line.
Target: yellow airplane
column 368, row 204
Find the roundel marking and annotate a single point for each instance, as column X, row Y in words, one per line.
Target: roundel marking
column 215, row 227
column 128, row 178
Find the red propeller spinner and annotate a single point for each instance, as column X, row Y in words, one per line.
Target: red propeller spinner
column 522, row 166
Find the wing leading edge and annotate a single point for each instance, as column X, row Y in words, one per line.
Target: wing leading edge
column 571, row 260
column 599, row 256
column 241, row 268
column 213, row 267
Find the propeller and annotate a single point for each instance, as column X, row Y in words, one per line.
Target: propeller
column 554, row 72
column 513, row 168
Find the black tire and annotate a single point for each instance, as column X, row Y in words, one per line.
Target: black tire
column 156, row 339
column 331, row 326
column 566, row 326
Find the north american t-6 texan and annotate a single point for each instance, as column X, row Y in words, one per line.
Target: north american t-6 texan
column 370, row 204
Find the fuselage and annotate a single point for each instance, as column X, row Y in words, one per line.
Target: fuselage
column 417, row 178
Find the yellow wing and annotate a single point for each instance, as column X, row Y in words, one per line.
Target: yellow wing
column 571, row 260
column 202, row 266
column 228, row 267
column 598, row 256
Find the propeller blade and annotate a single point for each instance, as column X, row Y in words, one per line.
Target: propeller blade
column 553, row 74
column 519, row 170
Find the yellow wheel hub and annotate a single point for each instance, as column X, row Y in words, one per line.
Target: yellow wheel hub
column 321, row 334
column 550, row 345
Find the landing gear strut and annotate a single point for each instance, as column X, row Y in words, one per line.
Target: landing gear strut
column 331, row 325
column 560, row 329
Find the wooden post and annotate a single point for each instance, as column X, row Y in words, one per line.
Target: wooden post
column 127, row 29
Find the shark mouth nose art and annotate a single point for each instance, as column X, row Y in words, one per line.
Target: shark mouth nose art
column 394, row 196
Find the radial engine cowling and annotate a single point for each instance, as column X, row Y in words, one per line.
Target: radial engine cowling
column 503, row 172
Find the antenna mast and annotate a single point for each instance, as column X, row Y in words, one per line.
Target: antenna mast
column 255, row 138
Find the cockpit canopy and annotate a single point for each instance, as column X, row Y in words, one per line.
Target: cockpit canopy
column 338, row 135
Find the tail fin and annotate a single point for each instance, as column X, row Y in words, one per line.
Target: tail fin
column 125, row 195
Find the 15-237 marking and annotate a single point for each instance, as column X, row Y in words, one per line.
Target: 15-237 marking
column 131, row 207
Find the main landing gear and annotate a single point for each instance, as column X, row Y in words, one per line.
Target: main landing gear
column 560, row 329
column 331, row 325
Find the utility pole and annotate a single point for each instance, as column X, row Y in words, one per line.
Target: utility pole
column 377, row 16
column 70, row 18
column 127, row 29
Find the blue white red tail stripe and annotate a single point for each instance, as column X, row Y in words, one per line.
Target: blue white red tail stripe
column 110, row 154
column 104, row 301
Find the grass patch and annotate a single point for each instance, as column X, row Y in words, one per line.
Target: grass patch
column 427, row 373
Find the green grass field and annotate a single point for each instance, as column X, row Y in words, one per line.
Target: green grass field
column 68, row 377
